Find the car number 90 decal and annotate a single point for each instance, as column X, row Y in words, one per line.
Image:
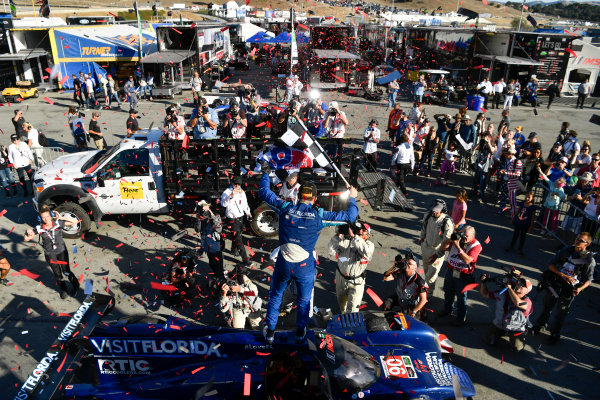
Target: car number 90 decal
column 395, row 367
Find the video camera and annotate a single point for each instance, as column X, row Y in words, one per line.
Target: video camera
column 400, row 263
column 512, row 277
column 333, row 112
column 345, row 229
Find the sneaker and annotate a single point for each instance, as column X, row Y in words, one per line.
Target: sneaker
column 5, row 282
column 269, row 334
column 300, row 334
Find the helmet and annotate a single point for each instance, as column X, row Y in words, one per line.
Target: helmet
column 233, row 103
column 293, row 105
column 308, row 191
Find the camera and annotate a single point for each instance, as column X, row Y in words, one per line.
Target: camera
column 460, row 236
column 233, row 112
column 333, row 112
column 345, row 229
column 512, row 277
column 204, row 110
column 402, row 262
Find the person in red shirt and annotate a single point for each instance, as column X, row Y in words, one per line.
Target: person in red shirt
column 594, row 168
column 463, row 251
column 394, row 121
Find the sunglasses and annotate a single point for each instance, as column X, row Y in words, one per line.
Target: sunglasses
column 595, row 159
column 579, row 240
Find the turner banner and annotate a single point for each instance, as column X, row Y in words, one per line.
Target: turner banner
column 101, row 43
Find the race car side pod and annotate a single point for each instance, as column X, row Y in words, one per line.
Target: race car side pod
column 48, row 375
column 445, row 344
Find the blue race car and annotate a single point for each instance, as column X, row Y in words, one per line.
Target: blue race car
column 370, row 355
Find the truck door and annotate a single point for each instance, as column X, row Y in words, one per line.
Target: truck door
column 125, row 185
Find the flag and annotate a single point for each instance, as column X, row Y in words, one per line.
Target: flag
column 44, row 9
column 525, row 7
column 532, row 21
column 298, row 136
column 294, row 47
column 13, row 8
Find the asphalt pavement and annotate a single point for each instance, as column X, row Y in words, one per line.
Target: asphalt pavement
column 126, row 253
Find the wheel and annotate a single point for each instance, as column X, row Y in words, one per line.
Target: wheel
column 75, row 211
column 265, row 222
column 36, row 94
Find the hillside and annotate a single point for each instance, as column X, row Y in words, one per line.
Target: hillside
column 573, row 11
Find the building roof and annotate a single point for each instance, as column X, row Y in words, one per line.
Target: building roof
column 23, row 54
column 167, row 57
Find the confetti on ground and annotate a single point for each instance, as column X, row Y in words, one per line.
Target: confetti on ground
column 470, row 286
column 160, row 286
column 48, row 100
column 2, row 213
column 374, row 297
column 247, row 381
column 28, row 274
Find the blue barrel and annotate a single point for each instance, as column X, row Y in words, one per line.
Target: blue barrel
column 475, row 102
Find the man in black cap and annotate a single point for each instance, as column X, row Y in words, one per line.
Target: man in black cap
column 132, row 123
column 530, row 146
column 236, row 207
column 290, row 188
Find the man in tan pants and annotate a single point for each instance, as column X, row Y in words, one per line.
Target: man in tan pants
column 353, row 251
column 437, row 227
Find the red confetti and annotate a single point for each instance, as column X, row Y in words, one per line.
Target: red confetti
column 470, row 286
column 197, row 369
column 63, row 80
column 119, row 245
column 28, row 274
column 487, row 240
column 160, row 286
column 2, row 213
column 247, row 378
column 48, row 100
column 375, row 297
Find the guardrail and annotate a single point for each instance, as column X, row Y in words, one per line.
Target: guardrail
column 43, row 155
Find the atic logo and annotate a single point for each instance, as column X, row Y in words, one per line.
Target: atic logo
column 123, row 367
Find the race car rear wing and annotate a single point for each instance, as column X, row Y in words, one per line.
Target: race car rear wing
column 55, row 366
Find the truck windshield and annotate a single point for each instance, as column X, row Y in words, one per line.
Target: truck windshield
column 349, row 366
column 98, row 159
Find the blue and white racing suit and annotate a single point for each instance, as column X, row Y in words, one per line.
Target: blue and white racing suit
column 299, row 227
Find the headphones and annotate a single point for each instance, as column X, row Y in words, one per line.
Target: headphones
column 52, row 214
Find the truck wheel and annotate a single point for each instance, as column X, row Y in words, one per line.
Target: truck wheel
column 75, row 211
column 265, row 222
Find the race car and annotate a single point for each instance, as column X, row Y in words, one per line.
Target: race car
column 358, row 355
column 15, row 94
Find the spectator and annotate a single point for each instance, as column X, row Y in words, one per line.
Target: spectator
column 583, row 91
column 462, row 260
column 95, row 132
column 552, row 91
column 289, row 88
column 555, row 155
column 150, row 84
column 299, row 227
column 480, row 125
column 18, row 122
column 104, row 87
column 419, row 90
column 498, row 88
column 174, row 124
column 554, row 196
column 504, row 121
column 519, row 139
column 564, row 132
column 83, row 79
column 210, row 226
column 80, row 133
column 444, row 126
column 290, row 188
column 196, row 86
column 113, row 91
column 483, row 163
column 559, row 170
column 459, row 209
column 509, row 175
column 415, row 115
column 236, row 207
column 418, row 142
column 512, row 312
column 411, row 289
column 509, row 95
column 77, row 95
column 593, row 168
column 204, row 121
column 523, row 222
column 72, row 115
column 90, row 86
column 529, row 147
column 6, row 178
column 571, row 148
column 20, row 156
column 404, row 160
column 584, row 159
column 353, row 251
column 240, row 303
column 532, row 89
column 431, row 143
column 437, row 227
column 531, row 168
column 236, row 121
column 314, row 115
column 403, row 124
column 568, row 274
column 33, row 141
column 485, row 89
column 55, row 251
column 393, row 88
column 447, row 167
column 4, row 267
column 371, row 137
column 132, row 92
column 575, row 194
column 592, row 212
column 132, row 122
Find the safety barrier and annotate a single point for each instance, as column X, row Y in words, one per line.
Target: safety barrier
column 43, row 155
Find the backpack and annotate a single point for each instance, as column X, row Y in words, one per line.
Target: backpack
column 43, row 140
column 444, row 222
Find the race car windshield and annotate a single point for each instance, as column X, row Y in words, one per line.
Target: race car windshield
column 350, row 367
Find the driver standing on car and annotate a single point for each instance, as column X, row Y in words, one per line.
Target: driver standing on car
column 55, row 250
column 299, row 227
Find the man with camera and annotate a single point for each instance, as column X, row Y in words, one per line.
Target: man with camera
column 236, row 207
column 204, row 121
column 411, row 288
column 314, row 115
column 236, row 120
column 437, row 228
column 240, row 301
column 335, row 126
column 210, row 226
column 513, row 309
column 463, row 250
column 568, row 274
column 174, row 124
column 353, row 250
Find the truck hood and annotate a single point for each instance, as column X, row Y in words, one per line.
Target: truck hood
column 66, row 167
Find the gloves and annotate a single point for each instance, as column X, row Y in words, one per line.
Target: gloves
column 265, row 167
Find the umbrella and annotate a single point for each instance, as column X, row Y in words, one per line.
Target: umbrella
column 259, row 37
column 283, row 37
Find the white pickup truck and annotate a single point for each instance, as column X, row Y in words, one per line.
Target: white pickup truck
column 144, row 174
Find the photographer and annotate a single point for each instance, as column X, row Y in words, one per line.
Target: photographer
column 210, row 226
column 335, row 126
column 463, row 251
column 353, row 250
column 174, row 124
column 437, row 227
column 568, row 274
column 240, row 301
column 371, row 137
column 314, row 115
column 411, row 288
column 235, row 120
column 204, row 121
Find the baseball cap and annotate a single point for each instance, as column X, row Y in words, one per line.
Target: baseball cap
column 587, row 176
column 532, row 135
column 564, row 159
column 373, row 121
column 519, row 128
column 293, row 174
column 334, row 104
column 203, row 203
column 438, row 205
column 367, row 227
column 132, row 111
column 467, row 117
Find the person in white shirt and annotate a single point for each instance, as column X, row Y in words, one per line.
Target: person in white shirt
column 448, row 167
column 404, row 160
column 498, row 91
column 297, row 86
column 236, row 207
column 21, row 157
column 290, row 188
column 34, row 143
column 372, row 136
column 174, row 125
column 335, row 127
column 418, row 141
column 571, row 148
column 196, row 86
column 416, row 114
column 485, row 89
column 90, row 86
column 290, row 82
column 150, row 84
column 583, row 90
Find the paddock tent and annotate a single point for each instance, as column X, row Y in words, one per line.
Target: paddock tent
column 76, row 48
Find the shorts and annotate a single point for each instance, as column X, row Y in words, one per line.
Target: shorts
column 447, row 166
